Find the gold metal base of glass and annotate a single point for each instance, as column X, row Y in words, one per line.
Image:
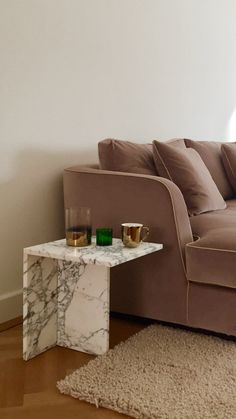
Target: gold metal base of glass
column 77, row 239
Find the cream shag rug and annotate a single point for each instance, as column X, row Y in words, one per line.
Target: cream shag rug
column 161, row 372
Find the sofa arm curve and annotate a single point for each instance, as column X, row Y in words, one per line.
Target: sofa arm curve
column 117, row 197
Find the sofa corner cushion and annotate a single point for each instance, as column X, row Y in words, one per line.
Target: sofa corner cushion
column 126, row 156
column 229, row 160
column 210, row 152
column 187, row 170
column 211, row 260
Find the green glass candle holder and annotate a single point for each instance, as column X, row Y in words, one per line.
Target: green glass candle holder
column 104, row 236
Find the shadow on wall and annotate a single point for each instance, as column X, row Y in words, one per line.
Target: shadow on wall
column 31, row 210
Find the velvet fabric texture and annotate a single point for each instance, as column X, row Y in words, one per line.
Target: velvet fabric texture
column 160, row 166
column 216, row 252
column 153, row 288
column 229, row 159
column 187, row 170
column 126, row 156
column 210, row 152
column 203, row 224
column 157, row 286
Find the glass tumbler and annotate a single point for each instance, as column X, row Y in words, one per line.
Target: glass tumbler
column 78, row 226
column 104, row 236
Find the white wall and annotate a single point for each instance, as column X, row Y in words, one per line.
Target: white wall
column 75, row 71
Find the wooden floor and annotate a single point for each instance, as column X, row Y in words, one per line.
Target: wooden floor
column 28, row 389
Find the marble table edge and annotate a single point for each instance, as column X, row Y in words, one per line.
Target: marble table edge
column 132, row 253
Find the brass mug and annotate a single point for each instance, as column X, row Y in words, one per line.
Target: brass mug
column 132, row 234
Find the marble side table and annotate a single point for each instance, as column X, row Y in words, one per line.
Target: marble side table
column 66, row 294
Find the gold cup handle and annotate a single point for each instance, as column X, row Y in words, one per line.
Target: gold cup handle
column 145, row 233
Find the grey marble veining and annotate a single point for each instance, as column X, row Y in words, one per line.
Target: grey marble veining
column 39, row 305
column 83, row 307
column 98, row 255
column 66, row 295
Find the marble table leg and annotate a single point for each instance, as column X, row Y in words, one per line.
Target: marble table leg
column 39, row 305
column 65, row 304
column 83, row 307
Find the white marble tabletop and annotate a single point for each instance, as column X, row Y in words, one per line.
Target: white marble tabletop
column 97, row 255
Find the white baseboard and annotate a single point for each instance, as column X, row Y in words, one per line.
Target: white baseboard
column 10, row 305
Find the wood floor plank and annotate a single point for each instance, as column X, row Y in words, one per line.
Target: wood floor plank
column 28, row 389
column 12, row 388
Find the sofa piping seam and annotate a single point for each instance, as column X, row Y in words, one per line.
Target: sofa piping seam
column 211, row 283
column 210, row 248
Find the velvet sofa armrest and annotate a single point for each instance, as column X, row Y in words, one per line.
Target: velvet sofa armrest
column 117, row 197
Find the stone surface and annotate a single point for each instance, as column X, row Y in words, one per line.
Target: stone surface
column 66, row 294
column 39, row 305
column 97, row 255
column 83, row 307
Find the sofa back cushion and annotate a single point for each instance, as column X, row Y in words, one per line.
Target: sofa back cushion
column 210, row 152
column 186, row 169
column 229, row 159
column 126, row 156
column 160, row 166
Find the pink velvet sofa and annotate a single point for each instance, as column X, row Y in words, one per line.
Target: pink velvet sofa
column 192, row 281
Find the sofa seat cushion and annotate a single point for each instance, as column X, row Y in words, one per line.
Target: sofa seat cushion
column 203, row 223
column 211, row 258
